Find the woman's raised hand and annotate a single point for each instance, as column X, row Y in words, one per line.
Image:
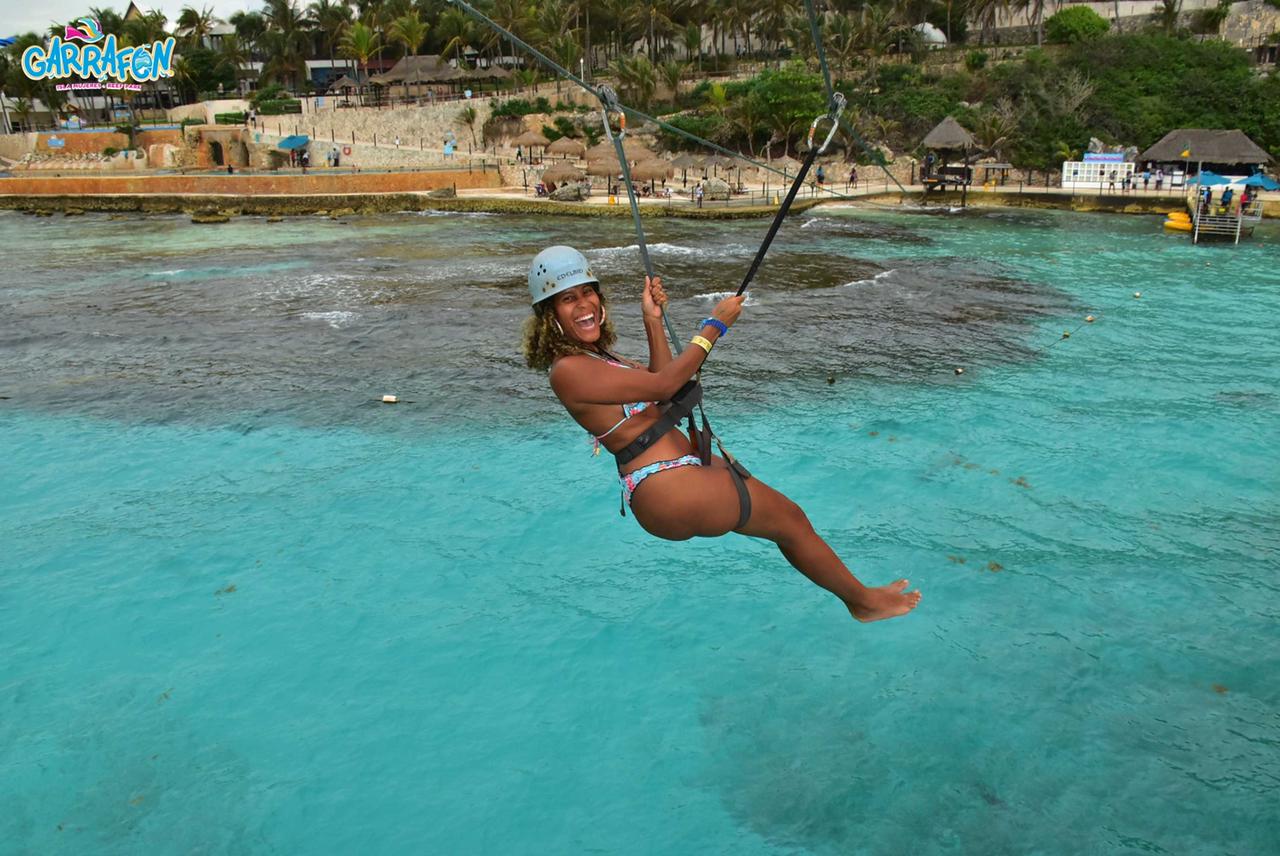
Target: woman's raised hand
column 728, row 310
column 654, row 299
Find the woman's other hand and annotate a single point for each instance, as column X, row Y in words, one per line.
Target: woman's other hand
column 728, row 310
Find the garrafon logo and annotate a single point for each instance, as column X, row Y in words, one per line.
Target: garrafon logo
column 61, row 58
column 89, row 31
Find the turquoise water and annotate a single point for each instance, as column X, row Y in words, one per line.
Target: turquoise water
column 246, row 609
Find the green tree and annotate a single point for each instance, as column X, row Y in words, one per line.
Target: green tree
column 1076, row 24
column 359, row 43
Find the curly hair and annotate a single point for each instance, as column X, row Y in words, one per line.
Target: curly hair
column 544, row 342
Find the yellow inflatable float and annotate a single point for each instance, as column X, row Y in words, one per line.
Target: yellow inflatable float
column 1178, row 221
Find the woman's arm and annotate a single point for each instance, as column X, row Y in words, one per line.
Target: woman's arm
column 582, row 380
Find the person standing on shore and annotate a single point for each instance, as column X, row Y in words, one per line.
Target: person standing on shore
column 697, row 194
column 1159, row 178
column 1146, row 178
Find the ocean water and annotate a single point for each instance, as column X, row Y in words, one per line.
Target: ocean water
column 245, row 608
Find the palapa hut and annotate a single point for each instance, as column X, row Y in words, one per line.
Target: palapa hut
column 631, row 147
column 560, row 173
column 568, row 147
column 948, row 136
column 787, row 164
column 344, row 84
column 1223, row 152
column 529, row 139
column 652, row 170
column 685, row 162
column 417, row 70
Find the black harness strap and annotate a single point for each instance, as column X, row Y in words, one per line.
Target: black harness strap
column 682, row 404
column 681, row 407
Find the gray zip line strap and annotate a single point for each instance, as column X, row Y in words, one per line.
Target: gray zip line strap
column 568, row 75
column 609, row 104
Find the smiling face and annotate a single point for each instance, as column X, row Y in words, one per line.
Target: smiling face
column 579, row 312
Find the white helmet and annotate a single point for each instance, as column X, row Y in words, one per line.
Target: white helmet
column 557, row 269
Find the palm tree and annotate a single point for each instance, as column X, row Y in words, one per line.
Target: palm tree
column 197, row 25
column 232, row 54
column 468, row 116
column 672, row 73
column 692, row 42
column 332, row 19
column 359, row 43
column 286, row 41
column 453, row 28
column 410, row 31
column 985, row 12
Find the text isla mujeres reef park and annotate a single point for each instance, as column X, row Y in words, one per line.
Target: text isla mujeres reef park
column 64, row 59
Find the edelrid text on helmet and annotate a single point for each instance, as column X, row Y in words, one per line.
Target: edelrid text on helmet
column 558, row 269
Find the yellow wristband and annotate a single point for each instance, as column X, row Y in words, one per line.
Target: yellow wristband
column 702, row 342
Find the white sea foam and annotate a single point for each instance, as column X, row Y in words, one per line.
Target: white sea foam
column 662, row 248
column 173, row 272
column 870, row 280
column 336, row 319
column 716, row 296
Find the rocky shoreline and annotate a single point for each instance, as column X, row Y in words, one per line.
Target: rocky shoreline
column 220, row 209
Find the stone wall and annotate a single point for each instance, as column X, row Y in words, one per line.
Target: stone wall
column 285, row 183
column 14, row 146
column 1251, row 23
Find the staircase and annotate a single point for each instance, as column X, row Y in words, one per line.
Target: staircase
column 1226, row 225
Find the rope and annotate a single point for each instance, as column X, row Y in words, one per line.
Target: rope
column 609, row 103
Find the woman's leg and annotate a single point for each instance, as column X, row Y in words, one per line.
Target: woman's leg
column 702, row 501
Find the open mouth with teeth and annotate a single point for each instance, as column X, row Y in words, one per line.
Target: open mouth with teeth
column 585, row 324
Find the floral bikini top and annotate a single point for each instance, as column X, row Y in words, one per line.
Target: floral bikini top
column 628, row 410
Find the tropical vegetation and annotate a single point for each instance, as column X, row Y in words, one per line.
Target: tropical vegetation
column 1124, row 87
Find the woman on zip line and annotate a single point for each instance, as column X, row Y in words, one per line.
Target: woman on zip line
column 671, row 492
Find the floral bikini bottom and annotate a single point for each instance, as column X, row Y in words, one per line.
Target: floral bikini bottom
column 631, row 480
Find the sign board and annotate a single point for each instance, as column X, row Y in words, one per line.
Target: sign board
column 1104, row 157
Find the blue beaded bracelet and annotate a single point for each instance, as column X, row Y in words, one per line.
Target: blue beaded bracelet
column 715, row 322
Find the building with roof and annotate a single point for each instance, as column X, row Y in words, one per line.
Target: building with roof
column 1224, row 152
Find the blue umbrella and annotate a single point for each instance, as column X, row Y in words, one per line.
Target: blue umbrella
column 1211, row 179
column 4, row 43
column 297, row 141
column 1261, row 181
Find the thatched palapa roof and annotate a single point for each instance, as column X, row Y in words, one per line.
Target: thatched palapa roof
column 530, row 138
column 344, row 82
column 631, row 147
column 562, row 172
column 419, row 69
column 652, row 169
column 567, row 146
column 1205, row 145
column 949, row 134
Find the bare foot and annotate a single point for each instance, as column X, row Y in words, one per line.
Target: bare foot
column 885, row 602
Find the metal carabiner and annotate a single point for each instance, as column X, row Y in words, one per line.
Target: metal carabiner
column 837, row 107
column 609, row 101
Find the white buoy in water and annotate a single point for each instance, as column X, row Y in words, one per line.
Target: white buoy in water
column 959, row 370
column 1137, row 294
column 1089, row 318
column 389, row 399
